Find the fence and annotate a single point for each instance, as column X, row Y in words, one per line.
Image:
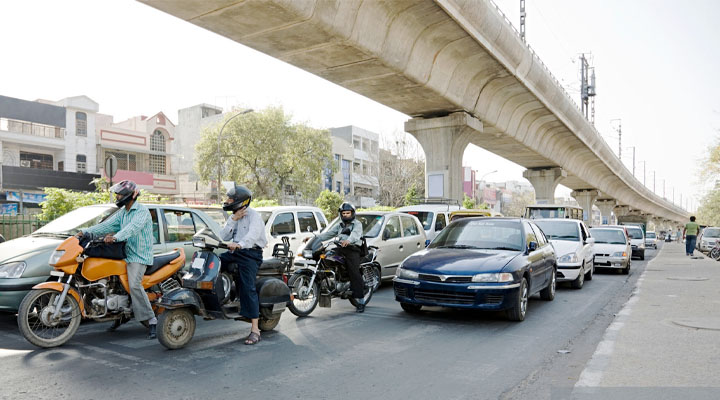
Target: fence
column 14, row 226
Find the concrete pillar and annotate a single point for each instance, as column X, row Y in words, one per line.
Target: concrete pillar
column 545, row 182
column 606, row 208
column 621, row 210
column 444, row 140
column 586, row 199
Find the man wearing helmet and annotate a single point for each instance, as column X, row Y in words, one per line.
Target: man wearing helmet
column 349, row 231
column 246, row 232
column 131, row 224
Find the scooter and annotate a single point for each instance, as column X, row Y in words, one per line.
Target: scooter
column 207, row 291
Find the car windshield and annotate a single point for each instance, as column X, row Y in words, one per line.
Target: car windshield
column 560, row 230
column 650, row 235
column 425, row 218
column 711, row 233
column 635, row 233
column 481, row 234
column 609, row 236
column 371, row 224
column 76, row 220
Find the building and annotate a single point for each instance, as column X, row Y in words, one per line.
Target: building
column 356, row 153
column 469, row 182
column 45, row 144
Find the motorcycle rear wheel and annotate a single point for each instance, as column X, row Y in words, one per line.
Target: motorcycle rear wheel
column 715, row 253
column 176, row 328
column 305, row 298
column 35, row 318
column 369, row 288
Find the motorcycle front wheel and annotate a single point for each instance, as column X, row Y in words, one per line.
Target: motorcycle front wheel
column 176, row 328
column 36, row 323
column 304, row 297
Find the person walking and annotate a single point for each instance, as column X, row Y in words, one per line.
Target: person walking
column 690, row 233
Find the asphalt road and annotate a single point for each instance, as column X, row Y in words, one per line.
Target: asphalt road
column 334, row 353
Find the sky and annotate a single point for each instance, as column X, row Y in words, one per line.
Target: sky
column 655, row 60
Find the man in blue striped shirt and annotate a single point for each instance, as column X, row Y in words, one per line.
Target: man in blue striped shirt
column 132, row 224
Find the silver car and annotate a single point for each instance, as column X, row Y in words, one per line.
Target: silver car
column 612, row 248
column 707, row 238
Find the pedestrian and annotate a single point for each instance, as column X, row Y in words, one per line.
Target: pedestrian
column 690, row 233
column 132, row 224
column 679, row 237
column 246, row 231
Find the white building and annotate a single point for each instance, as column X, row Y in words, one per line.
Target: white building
column 357, row 154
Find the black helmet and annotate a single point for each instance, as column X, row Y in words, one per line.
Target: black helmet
column 126, row 190
column 241, row 198
column 347, row 207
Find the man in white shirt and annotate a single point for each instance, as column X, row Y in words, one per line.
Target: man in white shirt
column 246, row 232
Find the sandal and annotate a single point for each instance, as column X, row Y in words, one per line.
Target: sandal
column 252, row 338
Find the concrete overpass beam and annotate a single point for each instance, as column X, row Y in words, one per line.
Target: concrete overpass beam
column 586, row 199
column 444, row 140
column 606, row 208
column 545, row 182
column 621, row 210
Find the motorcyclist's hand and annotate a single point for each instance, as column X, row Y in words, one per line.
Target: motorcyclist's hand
column 109, row 239
column 233, row 246
column 239, row 214
column 79, row 235
column 306, row 239
column 344, row 243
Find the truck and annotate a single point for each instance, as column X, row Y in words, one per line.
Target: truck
column 637, row 220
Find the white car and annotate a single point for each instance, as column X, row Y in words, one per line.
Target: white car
column 637, row 241
column 708, row 237
column 612, row 248
column 651, row 240
column 574, row 248
column 433, row 217
column 295, row 222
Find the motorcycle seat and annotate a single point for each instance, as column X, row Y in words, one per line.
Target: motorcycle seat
column 161, row 260
column 270, row 264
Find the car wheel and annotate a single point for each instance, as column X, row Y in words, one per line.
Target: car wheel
column 517, row 313
column 642, row 255
column 625, row 270
column 578, row 282
column 411, row 308
column 589, row 274
column 548, row 294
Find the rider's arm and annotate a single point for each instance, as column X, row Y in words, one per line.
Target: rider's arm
column 256, row 231
column 110, row 225
column 227, row 231
column 356, row 233
column 330, row 233
column 138, row 220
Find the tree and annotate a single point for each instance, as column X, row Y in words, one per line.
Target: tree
column 329, row 202
column 264, row 151
column 411, row 196
column 516, row 207
column 401, row 167
column 708, row 213
column 468, row 202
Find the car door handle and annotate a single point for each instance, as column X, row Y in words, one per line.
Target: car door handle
column 293, row 238
column 400, row 247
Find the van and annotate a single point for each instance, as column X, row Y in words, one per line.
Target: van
column 433, row 217
column 295, row 222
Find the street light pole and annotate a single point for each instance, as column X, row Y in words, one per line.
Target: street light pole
column 219, row 155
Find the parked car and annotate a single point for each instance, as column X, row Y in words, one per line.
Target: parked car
column 480, row 263
column 295, row 222
column 574, row 248
column 215, row 212
column 396, row 235
column 24, row 261
column 708, row 237
column 2, row 238
column 433, row 217
column 637, row 241
column 651, row 240
column 612, row 248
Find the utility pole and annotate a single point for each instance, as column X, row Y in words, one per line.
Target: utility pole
column 587, row 89
column 644, row 165
column 653, row 181
column 664, row 189
column 522, row 20
column 619, row 131
column 633, row 160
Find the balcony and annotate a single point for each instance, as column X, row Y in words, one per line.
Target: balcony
column 31, row 128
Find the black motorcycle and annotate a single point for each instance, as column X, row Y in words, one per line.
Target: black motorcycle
column 322, row 275
column 208, row 290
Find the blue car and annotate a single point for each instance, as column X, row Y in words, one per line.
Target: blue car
column 480, row 263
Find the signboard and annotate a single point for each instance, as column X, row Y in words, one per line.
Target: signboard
column 8, row 209
column 436, row 185
column 26, row 197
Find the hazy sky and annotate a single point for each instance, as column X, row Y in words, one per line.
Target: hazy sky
column 656, row 65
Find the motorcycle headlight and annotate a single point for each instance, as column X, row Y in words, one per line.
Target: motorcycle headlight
column 620, row 254
column 404, row 273
column 568, row 258
column 496, row 277
column 198, row 242
column 13, row 269
column 307, row 253
column 55, row 257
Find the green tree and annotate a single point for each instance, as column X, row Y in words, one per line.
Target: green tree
column 264, row 151
column 709, row 211
column 264, row 203
column 411, row 196
column 468, row 202
column 329, row 202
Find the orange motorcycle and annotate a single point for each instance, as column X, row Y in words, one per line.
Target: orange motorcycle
column 91, row 288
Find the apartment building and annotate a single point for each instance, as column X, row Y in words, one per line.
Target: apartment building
column 356, row 152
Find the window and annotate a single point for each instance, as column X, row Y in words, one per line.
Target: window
column 539, row 235
column 337, row 160
column 321, row 218
column 306, row 219
column 529, row 235
column 61, row 165
column 392, row 229
column 36, row 160
column 346, row 175
column 80, row 124
column 440, row 223
column 157, row 161
column 81, row 161
column 126, row 162
column 155, row 226
column 339, row 186
column 200, row 224
column 328, row 178
column 409, row 227
column 284, row 224
column 180, row 227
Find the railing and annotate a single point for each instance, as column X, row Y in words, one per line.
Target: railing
column 14, row 226
column 30, row 128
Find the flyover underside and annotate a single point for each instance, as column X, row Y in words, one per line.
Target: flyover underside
column 427, row 59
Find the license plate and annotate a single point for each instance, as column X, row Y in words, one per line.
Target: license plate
column 198, row 263
column 617, row 264
column 57, row 273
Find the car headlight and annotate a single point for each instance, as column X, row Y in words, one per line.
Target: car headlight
column 307, row 253
column 642, row 245
column 496, row 277
column 568, row 258
column 620, row 254
column 13, row 269
column 404, row 273
column 55, row 257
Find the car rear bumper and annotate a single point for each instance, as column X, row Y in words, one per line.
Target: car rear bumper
column 611, row 262
column 478, row 296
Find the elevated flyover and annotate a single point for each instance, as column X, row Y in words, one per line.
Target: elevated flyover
column 458, row 68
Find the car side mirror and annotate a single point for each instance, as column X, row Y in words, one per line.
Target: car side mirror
column 590, row 241
column 386, row 235
column 532, row 246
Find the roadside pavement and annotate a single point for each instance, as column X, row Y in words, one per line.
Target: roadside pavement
column 665, row 342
